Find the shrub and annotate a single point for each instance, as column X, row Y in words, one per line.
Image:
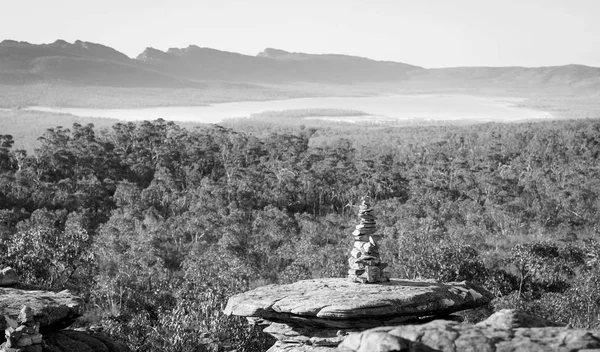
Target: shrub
column 453, row 263
column 51, row 256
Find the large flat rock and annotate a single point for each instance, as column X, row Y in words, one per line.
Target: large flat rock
column 338, row 301
column 52, row 309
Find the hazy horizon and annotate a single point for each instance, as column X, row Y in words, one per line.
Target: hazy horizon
column 432, row 35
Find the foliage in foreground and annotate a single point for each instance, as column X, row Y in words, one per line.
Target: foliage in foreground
column 156, row 226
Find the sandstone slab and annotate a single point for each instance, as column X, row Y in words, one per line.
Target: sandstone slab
column 53, row 310
column 336, row 302
column 505, row 331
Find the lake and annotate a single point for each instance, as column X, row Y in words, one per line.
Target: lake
column 426, row 107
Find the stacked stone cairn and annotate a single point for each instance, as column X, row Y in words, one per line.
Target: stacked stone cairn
column 365, row 263
column 25, row 337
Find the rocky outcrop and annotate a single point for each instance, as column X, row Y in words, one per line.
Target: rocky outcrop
column 53, row 310
column 76, row 341
column 504, row 331
column 24, row 335
column 26, row 313
column 314, row 315
column 337, row 315
column 338, row 303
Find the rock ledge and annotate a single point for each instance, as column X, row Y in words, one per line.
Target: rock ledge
column 53, row 311
column 316, row 315
column 339, row 303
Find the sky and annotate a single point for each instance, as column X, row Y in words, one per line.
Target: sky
column 428, row 33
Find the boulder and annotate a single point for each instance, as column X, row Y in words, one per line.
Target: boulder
column 338, row 303
column 53, row 310
column 504, row 331
column 8, row 277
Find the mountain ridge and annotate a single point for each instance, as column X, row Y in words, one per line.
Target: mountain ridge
column 87, row 63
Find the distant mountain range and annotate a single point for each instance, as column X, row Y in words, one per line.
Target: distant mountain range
column 85, row 63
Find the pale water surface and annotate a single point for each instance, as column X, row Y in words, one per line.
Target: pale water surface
column 379, row 108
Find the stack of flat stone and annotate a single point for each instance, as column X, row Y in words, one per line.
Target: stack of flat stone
column 365, row 262
column 25, row 335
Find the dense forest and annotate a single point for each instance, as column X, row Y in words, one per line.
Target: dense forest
column 156, row 225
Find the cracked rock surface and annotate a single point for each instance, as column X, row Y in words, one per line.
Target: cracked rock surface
column 504, row 331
